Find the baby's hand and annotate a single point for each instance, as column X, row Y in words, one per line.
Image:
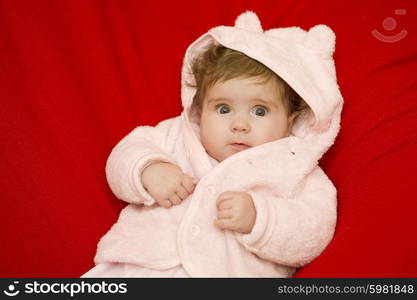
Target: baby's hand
column 167, row 184
column 235, row 211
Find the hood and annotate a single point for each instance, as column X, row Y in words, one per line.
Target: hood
column 302, row 58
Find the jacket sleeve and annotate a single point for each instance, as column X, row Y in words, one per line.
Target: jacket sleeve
column 293, row 231
column 141, row 147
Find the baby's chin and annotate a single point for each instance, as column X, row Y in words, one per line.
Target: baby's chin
column 227, row 154
column 219, row 157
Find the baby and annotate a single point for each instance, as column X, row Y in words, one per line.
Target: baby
column 253, row 108
column 231, row 188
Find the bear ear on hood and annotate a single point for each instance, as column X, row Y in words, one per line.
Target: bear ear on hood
column 322, row 40
column 319, row 38
column 249, row 21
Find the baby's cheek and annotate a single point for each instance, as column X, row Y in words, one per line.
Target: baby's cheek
column 267, row 136
column 275, row 131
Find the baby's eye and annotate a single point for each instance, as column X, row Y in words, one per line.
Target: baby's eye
column 259, row 111
column 223, row 109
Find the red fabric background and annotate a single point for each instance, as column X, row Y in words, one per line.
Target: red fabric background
column 77, row 76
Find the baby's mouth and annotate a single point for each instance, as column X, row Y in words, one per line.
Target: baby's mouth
column 239, row 146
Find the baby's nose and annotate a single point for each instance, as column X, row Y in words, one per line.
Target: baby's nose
column 240, row 125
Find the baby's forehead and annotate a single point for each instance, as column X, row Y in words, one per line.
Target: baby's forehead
column 252, row 87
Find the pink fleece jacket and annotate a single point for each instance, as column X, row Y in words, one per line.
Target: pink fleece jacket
column 294, row 199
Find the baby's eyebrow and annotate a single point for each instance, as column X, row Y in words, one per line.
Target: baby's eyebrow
column 267, row 102
column 214, row 100
column 257, row 100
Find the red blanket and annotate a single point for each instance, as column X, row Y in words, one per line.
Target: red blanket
column 77, row 76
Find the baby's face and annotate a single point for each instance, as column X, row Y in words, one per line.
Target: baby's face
column 241, row 113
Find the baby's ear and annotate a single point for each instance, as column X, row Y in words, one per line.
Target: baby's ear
column 292, row 118
column 322, row 40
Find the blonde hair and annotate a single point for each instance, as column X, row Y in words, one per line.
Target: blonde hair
column 219, row 64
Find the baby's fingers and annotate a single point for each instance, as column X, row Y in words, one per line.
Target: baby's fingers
column 165, row 203
column 189, row 184
column 227, row 224
column 175, row 199
column 224, row 214
column 182, row 192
